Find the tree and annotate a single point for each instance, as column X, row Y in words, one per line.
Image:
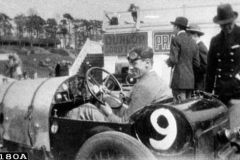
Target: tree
column 38, row 25
column 5, row 25
column 20, row 21
column 94, row 29
column 84, row 29
column 69, row 21
column 78, row 30
column 8, row 29
column 35, row 23
column 62, row 30
column 51, row 28
column 30, row 22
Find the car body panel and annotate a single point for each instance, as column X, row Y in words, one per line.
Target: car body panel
column 26, row 106
column 77, row 132
column 196, row 121
column 36, row 116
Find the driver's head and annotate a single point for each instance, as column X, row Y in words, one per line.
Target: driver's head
column 140, row 61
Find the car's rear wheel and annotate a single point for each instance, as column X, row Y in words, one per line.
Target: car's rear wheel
column 113, row 145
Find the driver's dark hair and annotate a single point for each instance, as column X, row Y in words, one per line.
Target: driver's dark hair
column 143, row 52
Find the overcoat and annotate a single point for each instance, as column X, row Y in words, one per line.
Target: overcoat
column 200, row 73
column 183, row 56
column 224, row 65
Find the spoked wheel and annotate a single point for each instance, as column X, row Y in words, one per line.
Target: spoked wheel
column 98, row 89
column 113, row 145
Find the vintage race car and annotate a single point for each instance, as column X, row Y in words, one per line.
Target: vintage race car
column 34, row 118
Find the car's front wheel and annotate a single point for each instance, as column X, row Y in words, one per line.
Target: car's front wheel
column 113, row 145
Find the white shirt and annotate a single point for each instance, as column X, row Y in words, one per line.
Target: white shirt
column 182, row 31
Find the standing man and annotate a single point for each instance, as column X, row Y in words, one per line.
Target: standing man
column 57, row 69
column 183, row 56
column 224, row 62
column 10, row 69
column 199, row 73
column 18, row 65
column 14, row 66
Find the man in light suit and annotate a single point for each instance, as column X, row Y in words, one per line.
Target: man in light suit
column 199, row 73
column 183, row 56
column 150, row 88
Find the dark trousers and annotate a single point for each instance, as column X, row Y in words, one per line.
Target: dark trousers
column 181, row 94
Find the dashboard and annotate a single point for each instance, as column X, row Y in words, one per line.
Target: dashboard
column 72, row 90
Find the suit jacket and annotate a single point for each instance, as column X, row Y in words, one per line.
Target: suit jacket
column 183, row 56
column 149, row 89
column 200, row 73
column 224, row 64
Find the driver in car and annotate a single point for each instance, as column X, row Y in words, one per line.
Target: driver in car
column 150, row 88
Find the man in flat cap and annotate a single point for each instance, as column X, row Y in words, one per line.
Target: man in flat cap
column 183, row 56
column 150, row 88
column 223, row 66
column 199, row 73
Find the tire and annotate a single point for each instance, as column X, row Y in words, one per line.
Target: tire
column 113, row 145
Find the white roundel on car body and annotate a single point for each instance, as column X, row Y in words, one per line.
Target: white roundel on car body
column 170, row 132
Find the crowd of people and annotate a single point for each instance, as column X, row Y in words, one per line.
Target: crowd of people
column 215, row 71
column 13, row 67
column 196, row 68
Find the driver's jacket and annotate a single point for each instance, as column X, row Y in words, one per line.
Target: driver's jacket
column 149, row 89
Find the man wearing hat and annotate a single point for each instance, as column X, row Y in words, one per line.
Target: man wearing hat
column 199, row 73
column 183, row 56
column 150, row 88
column 224, row 62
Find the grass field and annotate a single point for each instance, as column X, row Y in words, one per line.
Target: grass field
column 37, row 59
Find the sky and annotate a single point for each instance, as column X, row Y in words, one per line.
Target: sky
column 94, row 9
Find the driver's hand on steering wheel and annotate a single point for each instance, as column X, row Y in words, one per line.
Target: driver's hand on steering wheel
column 106, row 109
column 124, row 98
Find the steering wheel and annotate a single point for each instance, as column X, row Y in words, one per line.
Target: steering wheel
column 97, row 89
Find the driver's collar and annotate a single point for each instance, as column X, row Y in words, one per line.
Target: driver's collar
column 151, row 70
column 182, row 31
column 146, row 74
